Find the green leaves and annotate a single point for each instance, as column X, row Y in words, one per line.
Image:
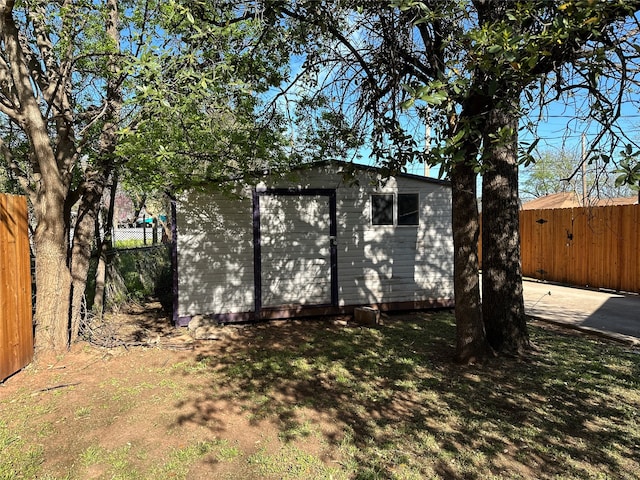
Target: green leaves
column 195, row 100
column 629, row 169
column 434, row 93
column 526, row 157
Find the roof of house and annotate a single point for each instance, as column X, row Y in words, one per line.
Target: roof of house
column 555, row 200
column 605, row 202
column 347, row 167
column 571, row 199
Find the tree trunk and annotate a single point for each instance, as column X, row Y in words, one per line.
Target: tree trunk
column 101, row 281
column 83, row 238
column 104, row 250
column 471, row 345
column 53, row 279
column 502, row 301
column 51, row 239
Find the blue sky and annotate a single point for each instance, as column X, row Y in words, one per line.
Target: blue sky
column 561, row 130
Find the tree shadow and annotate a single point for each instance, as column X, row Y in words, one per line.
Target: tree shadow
column 395, row 394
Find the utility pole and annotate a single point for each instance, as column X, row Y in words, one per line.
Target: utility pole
column 427, row 141
column 584, row 172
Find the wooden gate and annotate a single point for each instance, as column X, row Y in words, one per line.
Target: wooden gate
column 16, row 328
column 597, row 247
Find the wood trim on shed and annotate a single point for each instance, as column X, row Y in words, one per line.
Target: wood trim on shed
column 307, row 311
column 174, row 261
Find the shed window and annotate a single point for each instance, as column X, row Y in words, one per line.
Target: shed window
column 389, row 209
column 382, row 209
column 408, row 206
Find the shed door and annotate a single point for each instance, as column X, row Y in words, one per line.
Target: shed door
column 297, row 251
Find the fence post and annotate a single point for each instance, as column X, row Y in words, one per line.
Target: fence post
column 154, row 231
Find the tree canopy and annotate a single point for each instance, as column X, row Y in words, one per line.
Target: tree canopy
column 553, row 172
column 194, row 106
column 88, row 90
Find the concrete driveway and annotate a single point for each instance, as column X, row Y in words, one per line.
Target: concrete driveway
column 613, row 314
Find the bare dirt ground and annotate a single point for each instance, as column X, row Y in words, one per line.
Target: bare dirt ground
column 137, row 388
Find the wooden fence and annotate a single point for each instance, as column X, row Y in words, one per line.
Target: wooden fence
column 597, row 247
column 16, row 329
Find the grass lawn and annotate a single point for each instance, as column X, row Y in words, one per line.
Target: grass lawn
column 313, row 399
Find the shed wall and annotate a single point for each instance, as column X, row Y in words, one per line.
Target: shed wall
column 215, row 253
column 376, row 264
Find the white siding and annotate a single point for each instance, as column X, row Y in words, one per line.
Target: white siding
column 215, row 253
column 381, row 264
column 376, row 264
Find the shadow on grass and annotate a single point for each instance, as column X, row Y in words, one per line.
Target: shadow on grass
column 570, row 409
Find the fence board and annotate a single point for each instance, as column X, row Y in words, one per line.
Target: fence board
column 597, row 247
column 564, row 245
column 629, row 259
column 16, row 329
column 580, row 249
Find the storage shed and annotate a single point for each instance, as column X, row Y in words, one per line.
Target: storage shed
column 313, row 242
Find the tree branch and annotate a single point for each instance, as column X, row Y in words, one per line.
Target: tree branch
column 16, row 170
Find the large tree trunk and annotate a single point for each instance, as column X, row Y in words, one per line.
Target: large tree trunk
column 52, row 272
column 52, row 279
column 471, row 345
column 502, row 300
